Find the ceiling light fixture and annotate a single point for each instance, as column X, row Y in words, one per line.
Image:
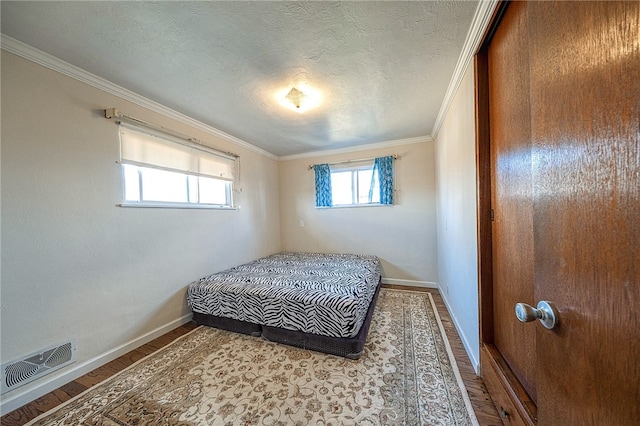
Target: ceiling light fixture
column 296, row 97
column 299, row 97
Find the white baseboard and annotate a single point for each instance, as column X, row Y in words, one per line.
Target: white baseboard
column 410, row 283
column 475, row 363
column 17, row 399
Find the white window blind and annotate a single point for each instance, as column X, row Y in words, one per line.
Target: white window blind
column 143, row 148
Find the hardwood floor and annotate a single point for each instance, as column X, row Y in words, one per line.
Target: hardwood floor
column 482, row 404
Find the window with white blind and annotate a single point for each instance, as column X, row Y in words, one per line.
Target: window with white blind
column 160, row 171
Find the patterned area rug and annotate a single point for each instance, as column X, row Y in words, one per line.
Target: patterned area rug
column 407, row 376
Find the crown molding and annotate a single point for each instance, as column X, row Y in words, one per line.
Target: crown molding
column 419, row 139
column 39, row 57
column 479, row 24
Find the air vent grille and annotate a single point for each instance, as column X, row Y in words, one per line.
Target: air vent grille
column 30, row 367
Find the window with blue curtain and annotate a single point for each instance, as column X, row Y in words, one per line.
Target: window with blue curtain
column 355, row 183
column 323, row 185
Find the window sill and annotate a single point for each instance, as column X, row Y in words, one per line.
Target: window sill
column 350, row 206
column 177, row 206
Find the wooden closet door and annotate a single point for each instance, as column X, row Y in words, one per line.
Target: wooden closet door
column 585, row 114
column 511, row 193
column 559, row 154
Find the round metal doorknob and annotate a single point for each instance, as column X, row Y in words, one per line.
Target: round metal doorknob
column 545, row 312
column 527, row 313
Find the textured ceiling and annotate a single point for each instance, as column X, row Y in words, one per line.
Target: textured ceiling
column 382, row 68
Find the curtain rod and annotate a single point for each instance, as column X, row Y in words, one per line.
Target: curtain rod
column 395, row 157
column 114, row 113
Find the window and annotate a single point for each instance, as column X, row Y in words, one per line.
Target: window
column 161, row 172
column 147, row 185
column 354, row 185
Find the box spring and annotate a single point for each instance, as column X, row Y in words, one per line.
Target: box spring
column 349, row 347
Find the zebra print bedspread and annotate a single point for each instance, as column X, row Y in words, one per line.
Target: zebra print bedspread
column 326, row 294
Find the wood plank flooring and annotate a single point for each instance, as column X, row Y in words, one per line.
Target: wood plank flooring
column 482, row 404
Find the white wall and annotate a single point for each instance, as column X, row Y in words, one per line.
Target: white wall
column 456, row 211
column 74, row 264
column 403, row 236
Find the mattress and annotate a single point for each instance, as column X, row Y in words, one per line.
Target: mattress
column 319, row 294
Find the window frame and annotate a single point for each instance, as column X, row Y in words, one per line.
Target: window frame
column 188, row 182
column 354, row 170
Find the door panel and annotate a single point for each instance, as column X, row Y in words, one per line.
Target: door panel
column 560, row 151
column 512, row 235
column 585, row 102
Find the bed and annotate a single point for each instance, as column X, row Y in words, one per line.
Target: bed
column 317, row 301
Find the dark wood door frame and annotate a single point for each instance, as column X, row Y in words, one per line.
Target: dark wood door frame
column 505, row 389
